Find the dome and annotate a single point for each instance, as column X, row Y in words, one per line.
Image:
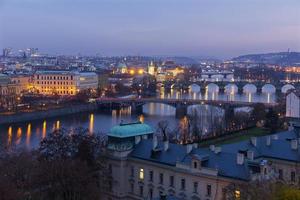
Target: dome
column 130, row 130
column 268, row 88
column 4, row 79
column 121, row 65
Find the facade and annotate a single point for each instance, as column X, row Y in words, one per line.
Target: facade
column 293, row 104
column 8, row 92
column 141, row 167
column 23, row 81
column 63, row 82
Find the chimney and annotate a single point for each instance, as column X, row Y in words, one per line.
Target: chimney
column 268, row 142
column 296, row 127
column 240, row 158
column 253, row 141
column 212, row 147
column 250, row 155
column 294, row 144
column 189, row 148
column 154, row 142
column 218, row 150
column 137, row 139
column 166, row 145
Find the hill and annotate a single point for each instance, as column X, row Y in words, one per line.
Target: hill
column 280, row 58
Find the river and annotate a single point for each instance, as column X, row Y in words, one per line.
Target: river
column 29, row 134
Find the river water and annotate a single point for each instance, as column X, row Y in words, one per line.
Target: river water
column 29, row 134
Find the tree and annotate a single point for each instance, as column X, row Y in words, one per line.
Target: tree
column 163, row 128
column 262, row 190
column 272, row 120
column 258, row 112
column 68, row 165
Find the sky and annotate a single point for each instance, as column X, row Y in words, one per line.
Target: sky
column 213, row 28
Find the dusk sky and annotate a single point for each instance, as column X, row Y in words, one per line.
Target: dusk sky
column 216, row 28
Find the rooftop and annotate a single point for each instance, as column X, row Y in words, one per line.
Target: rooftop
column 225, row 161
column 130, row 130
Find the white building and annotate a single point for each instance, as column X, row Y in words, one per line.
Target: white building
column 293, row 104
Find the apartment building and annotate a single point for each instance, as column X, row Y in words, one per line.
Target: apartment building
column 141, row 167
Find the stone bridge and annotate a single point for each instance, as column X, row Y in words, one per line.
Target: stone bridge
column 280, row 87
column 180, row 105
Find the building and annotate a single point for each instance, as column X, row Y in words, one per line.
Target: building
column 23, row 82
column 152, row 70
column 63, row 82
column 142, row 167
column 293, row 104
column 8, row 94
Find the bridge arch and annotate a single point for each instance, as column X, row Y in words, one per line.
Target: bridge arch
column 212, row 88
column 231, row 88
column 286, row 88
column 194, row 87
column 268, row 88
column 249, row 88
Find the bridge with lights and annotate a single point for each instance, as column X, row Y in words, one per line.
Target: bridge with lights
column 180, row 105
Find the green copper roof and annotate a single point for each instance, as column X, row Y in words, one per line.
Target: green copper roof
column 130, row 130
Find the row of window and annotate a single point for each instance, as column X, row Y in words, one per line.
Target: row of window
column 54, row 82
column 54, row 77
column 292, row 175
column 171, row 180
column 58, row 92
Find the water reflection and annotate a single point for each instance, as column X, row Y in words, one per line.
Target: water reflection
column 44, row 131
column 91, row 124
column 19, row 136
column 28, row 135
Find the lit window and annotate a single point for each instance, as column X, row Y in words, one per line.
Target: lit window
column 142, row 173
column 237, row 194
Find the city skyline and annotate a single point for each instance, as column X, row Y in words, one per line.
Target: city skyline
column 131, row 27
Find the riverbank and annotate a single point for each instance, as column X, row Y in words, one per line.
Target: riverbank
column 54, row 112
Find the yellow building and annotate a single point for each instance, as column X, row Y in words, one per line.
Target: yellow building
column 63, row 82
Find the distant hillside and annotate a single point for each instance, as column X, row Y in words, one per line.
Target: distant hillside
column 281, row 58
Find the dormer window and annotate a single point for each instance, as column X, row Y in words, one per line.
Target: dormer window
column 195, row 165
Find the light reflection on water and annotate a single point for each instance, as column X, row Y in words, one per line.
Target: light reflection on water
column 28, row 134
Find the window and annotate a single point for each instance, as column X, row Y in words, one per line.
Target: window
column 110, row 186
column 110, row 169
column 172, row 181
column 195, row 165
column 280, row 172
column 293, row 176
column 237, row 194
column 141, row 190
column 141, row 176
column 195, row 187
column 151, row 176
column 183, row 184
column 132, row 187
column 161, row 178
column 208, row 190
column 151, row 193
column 132, row 171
